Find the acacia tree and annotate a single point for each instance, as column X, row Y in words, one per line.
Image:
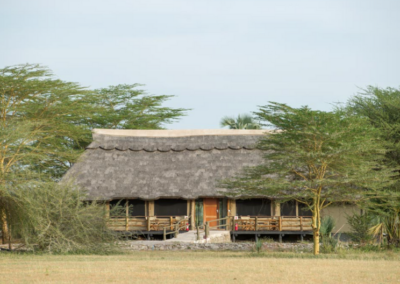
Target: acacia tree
column 40, row 118
column 382, row 109
column 316, row 158
column 129, row 107
column 45, row 124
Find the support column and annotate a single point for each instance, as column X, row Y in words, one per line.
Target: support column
column 107, row 209
column 150, row 208
column 192, row 214
column 277, row 208
column 232, row 207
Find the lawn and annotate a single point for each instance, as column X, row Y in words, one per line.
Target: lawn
column 200, row 267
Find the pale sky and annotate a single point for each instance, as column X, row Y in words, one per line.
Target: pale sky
column 217, row 57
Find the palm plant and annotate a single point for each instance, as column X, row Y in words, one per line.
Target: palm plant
column 243, row 121
column 389, row 225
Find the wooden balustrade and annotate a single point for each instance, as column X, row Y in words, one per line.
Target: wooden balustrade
column 143, row 223
column 245, row 223
column 275, row 223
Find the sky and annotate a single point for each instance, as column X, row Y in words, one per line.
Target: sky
column 216, row 57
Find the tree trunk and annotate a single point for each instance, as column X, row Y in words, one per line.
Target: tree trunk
column 316, row 241
column 316, row 224
column 4, row 227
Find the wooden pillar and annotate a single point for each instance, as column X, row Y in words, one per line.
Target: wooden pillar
column 277, row 208
column 150, row 208
column 297, row 208
column 126, row 215
column 107, row 207
column 192, row 213
column 232, row 207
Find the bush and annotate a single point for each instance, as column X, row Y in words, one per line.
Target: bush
column 329, row 243
column 57, row 220
column 360, row 228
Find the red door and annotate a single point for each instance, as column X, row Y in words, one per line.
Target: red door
column 210, row 207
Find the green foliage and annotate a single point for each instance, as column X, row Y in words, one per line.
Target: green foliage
column 316, row 158
column 327, row 226
column 56, row 220
column 329, row 243
column 360, row 228
column 244, row 121
column 45, row 124
column 258, row 246
column 128, row 107
column 382, row 108
column 390, row 226
column 314, row 153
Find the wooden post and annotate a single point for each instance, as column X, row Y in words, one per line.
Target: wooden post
column 232, row 207
column 198, row 233
column 280, row 223
column 277, row 209
column 165, row 234
column 176, row 230
column 107, row 207
column 148, row 223
column 256, row 225
column 126, row 223
column 301, row 223
column 192, row 214
column 150, row 208
column 206, row 230
column 170, row 223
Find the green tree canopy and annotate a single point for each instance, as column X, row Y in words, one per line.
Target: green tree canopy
column 316, row 158
column 45, row 123
column 243, row 121
column 382, row 109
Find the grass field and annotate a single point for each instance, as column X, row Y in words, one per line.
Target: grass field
column 200, row 267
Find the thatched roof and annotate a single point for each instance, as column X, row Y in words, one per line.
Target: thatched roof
column 152, row 164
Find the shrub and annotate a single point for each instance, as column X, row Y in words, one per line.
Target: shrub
column 329, row 243
column 360, row 228
column 57, row 220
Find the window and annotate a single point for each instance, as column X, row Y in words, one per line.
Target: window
column 170, row 207
column 288, row 208
column 253, row 207
column 136, row 207
column 304, row 211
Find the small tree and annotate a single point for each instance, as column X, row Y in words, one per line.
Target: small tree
column 316, row 158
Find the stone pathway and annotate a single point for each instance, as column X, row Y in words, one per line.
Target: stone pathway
column 191, row 237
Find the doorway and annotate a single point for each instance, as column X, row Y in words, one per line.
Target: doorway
column 210, row 208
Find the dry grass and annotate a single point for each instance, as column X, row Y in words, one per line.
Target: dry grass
column 198, row 267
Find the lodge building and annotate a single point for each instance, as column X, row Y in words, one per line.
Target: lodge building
column 161, row 177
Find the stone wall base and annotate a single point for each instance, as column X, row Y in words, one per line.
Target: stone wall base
column 219, row 246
